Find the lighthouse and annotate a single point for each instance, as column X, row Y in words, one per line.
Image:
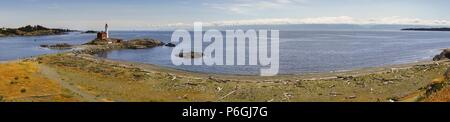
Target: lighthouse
column 103, row 38
column 106, row 30
column 104, row 35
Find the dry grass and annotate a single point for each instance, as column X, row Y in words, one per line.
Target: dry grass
column 21, row 81
column 439, row 92
column 440, row 96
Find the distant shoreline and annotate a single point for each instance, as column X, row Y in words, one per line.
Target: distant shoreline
column 35, row 30
column 426, row 29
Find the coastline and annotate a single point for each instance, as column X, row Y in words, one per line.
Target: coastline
column 83, row 76
column 94, row 49
column 304, row 76
column 92, row 78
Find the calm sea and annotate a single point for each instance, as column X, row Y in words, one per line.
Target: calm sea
column 300, row 51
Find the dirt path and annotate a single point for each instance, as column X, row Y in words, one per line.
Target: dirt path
column 51, row 74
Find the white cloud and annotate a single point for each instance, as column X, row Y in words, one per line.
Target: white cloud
column 247, row 6
column 99, row 24
column 326, row 20
column 146, row 25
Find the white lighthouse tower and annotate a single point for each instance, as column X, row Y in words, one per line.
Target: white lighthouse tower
column 106, row 30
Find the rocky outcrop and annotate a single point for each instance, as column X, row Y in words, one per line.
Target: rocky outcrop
column 131, row 44
column 60, row 46
column 191, row 55
column 142, row 43
column 95, row 49
column 90, row 32
column 109, row 41
column 170, row 45
column 445, row 54
column 100, row 46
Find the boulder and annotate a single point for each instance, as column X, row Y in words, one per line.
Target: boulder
column 190, row 55
column 445, row 54
column 170, row 45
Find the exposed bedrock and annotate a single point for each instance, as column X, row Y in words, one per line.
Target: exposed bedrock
column 445, row 54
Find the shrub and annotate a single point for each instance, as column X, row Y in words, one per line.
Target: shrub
column 23, row 90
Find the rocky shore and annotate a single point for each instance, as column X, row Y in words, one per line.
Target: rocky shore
column 445, row 54
column 142, row 43
column 382, row 86
column 98, row 46
column 90, row 78
column 85, row 77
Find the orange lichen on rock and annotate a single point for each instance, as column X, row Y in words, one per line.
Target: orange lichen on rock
column 21, row 81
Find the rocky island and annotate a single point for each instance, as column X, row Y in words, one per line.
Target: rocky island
column 29, row 30
column 59, row 46
column 90, row 32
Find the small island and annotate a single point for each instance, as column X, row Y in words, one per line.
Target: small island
column 29, row 30
column 426, row 29
column 90, row 32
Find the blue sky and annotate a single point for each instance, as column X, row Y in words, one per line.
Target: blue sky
column 147, row 14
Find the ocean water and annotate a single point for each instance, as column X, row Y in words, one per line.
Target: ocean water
column 22, row 47
column 300, row 51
